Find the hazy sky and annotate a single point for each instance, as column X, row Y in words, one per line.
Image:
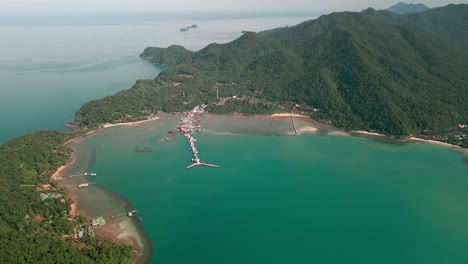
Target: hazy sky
column 203, row 5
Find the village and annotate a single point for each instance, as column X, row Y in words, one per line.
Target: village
column 189, row 126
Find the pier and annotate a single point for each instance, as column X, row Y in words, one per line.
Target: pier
column 294, row 125
column 129, row 214
column 83, row 185
column 67, row 177
column 188, row 127
column 201, row 163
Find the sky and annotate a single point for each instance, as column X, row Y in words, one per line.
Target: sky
column 202, row 5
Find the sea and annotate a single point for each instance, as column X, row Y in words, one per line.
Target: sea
column 51, row 64
column 321, row 197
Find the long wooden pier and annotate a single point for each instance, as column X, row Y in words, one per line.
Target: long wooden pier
column 190, row 126
column 294, row 125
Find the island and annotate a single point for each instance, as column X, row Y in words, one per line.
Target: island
column 187, row 28
column 374, row 71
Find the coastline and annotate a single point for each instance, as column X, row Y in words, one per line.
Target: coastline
column 151, row 118
column 124, row 232
column 362, row 132
column 104, row 126
column 434, row 142
column 411, row 140
column 121, row 232
column 288, row 115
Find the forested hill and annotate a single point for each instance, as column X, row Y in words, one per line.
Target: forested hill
column 373, row 70
column 404, row 8
column 170, row 56
column 35, row 225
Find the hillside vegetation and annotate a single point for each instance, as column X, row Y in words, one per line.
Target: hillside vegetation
column 404, row 8
column 373, row 70
column 33, row 230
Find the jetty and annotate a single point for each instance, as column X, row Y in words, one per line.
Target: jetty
column 83, row 185
column 201, row 163
column 188, row 127
column 67, row 177
column 129, row 213
column 294, row 125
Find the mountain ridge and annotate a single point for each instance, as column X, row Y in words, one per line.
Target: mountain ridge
column 404, row 8
column 373, row 70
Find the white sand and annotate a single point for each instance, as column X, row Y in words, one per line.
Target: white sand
column 288, row 114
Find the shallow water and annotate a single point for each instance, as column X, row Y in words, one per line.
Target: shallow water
column 51, row 65
column 297, row 199
column 275, row 199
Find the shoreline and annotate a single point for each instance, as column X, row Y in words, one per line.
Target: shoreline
column 411, row 140
column 288, row 115
column 70, row 195
column 108, row 125
column 120, row 232
column 435, row 142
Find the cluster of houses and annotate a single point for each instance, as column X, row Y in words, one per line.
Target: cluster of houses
column 302, row 109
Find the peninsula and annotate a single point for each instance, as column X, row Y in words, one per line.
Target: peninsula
column 398, row 75
column 39, row 216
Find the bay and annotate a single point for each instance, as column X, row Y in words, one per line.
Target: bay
column 275, row 199
column 278, row 199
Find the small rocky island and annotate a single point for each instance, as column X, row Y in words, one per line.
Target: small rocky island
column 187, row 28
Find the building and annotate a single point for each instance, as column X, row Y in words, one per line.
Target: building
column 98, row 221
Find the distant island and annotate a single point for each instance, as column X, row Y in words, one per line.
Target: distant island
column 404, row 8
column 398, row 75
column 187, row 28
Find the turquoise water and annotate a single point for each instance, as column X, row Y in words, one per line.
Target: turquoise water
column 47, row 98
column 50, row 65
column 288, row 199
column 275, row 199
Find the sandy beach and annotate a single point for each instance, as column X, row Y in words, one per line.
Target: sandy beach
column 120, row 231
column 123, row 232
column 152, row 118
column 108, row 125
column 414, row 140
column 434, row 142
column 362, row 132
column 289, row 114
